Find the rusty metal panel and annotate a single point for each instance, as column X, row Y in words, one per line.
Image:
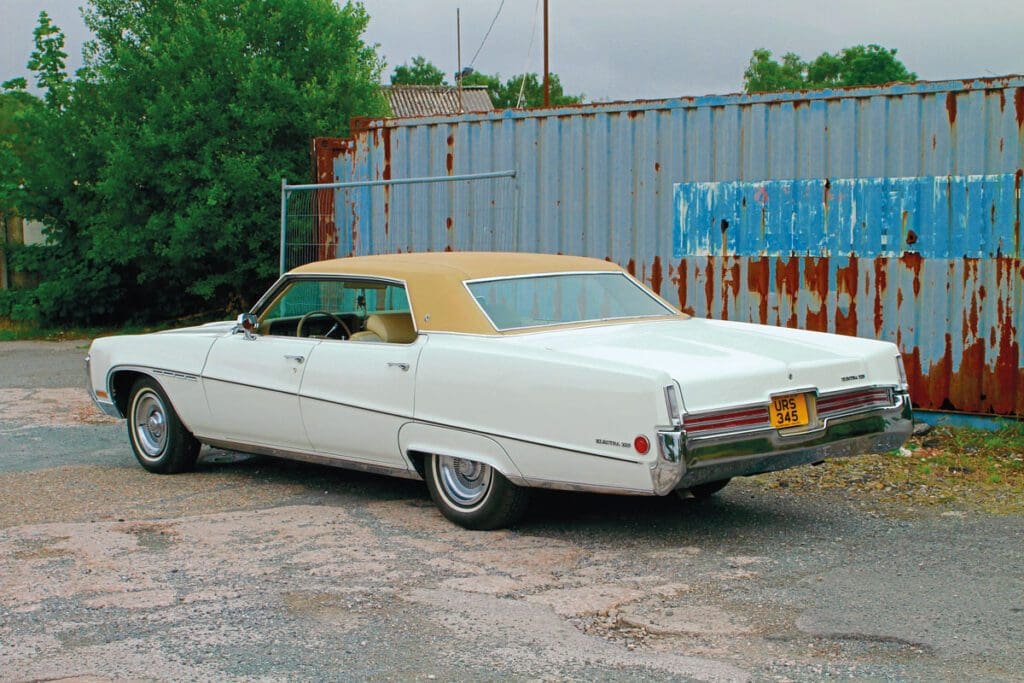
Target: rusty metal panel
column 599, row 180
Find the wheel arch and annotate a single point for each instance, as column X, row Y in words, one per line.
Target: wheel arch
column 120, row 382
column 417, row 440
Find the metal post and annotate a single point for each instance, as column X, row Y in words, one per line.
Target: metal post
column 458, row 57
column 284, row 221
column 547, row 89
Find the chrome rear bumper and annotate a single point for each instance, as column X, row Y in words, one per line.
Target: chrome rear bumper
column 684, row 462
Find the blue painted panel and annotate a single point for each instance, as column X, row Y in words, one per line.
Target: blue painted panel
column 937, row 217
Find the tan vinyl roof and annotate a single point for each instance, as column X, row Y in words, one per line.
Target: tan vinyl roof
column 434, row 280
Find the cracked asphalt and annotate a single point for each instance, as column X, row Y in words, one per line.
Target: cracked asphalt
column 252, row 568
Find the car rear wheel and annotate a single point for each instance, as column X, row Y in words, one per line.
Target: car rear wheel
column 705, row 491
column 472, row 494
column 160, row 441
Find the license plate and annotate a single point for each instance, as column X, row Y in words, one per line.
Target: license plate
column 789, row 411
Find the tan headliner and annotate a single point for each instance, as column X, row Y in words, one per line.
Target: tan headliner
column 435, row 280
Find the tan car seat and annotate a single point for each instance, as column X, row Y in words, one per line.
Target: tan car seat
column 395, row 328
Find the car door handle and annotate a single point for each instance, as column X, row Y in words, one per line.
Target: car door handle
column 404, row 367
column 298, row 359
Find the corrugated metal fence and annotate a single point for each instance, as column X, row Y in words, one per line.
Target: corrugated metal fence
column 883, row 212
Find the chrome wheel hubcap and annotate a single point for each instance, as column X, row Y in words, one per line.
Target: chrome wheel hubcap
column 465, row 482
column 150, row 425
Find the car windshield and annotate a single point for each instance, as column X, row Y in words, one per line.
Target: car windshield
column 540, row 300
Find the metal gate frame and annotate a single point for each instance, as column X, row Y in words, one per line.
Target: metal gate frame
column 287, row 189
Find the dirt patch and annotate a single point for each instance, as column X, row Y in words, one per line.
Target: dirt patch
column 967, row 469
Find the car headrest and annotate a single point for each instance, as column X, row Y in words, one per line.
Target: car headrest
column 396, row 328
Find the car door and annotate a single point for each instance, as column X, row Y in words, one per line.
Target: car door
column 355, row 397
column 252, row 387
column 358, row 393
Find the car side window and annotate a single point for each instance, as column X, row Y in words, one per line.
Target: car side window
column 331, row 308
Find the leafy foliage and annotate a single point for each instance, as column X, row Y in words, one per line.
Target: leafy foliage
column 420, row 72
column 506, row 95
column 857, row 65
column 157, row 168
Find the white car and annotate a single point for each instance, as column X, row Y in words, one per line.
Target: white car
column 487, row 374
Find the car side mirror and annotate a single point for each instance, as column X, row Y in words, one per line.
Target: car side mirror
column 247, row 325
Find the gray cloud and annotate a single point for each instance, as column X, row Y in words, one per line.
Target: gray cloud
column 645, row 48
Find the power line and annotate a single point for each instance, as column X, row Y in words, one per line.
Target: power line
column 500, row 6
column 529, row 54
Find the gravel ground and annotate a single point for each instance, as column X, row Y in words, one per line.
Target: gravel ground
column 252, row 568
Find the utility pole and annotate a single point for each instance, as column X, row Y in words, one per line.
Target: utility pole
column 458, row 57
column 547, row 88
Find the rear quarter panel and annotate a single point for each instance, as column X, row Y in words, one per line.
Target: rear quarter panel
column 560, row 418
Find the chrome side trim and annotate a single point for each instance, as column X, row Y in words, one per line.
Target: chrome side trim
column 315, row 458
column 575, row 486
column 177, row 375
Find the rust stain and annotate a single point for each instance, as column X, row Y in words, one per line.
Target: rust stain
column 709, row 284
column 448, row 247
column 730, row 283
column 757, row 281
column 787, row 284
column 449, row 161
column 355, row 230
column 656, row 275
column 816, row 283
column 913, row 261
column 951, row 107
column 934, row 141
column 846, row 283
column 881, row 287
column 657, row 167
column 1018, row 105
column 448, row 223
column 631, row 267
column 681, row 285
column 1002, row 99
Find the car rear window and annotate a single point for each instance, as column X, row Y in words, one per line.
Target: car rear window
column 557, row 299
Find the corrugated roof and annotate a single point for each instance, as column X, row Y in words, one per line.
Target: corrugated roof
column 430, row 100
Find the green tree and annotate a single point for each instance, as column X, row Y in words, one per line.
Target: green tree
column 851, row 66
column 505, row 95
column 158, row 176
column 420, row 72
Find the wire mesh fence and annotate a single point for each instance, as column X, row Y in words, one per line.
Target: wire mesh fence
column 478, row 212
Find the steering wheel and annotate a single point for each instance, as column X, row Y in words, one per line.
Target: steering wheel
column 338, row 322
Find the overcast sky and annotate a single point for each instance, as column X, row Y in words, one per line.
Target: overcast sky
column 632, row 49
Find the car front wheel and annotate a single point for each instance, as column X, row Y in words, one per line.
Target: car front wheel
column 160, row 441
column 472, row 494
